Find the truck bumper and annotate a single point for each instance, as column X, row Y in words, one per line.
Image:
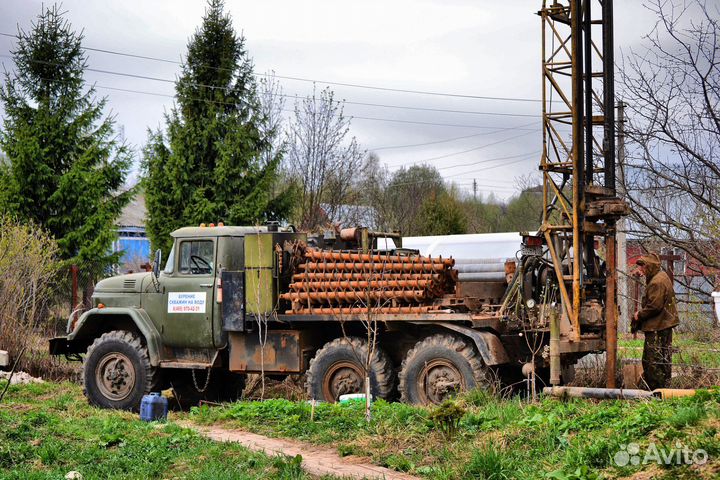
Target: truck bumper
column 63, row 346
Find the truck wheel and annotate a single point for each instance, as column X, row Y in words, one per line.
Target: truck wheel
column 117, row 371
column 338, row 368
column 439, row 367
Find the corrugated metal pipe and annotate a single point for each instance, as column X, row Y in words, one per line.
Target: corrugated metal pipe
column 616, row 393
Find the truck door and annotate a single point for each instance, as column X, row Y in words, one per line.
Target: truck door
column 190, row 293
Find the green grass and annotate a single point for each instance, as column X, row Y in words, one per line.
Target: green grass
column 689, row 351
column 47, row 430
column 496, row 439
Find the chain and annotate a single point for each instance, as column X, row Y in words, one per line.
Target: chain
column 207, row 381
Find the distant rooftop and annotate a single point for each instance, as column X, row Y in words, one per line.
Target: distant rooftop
column 134, row 213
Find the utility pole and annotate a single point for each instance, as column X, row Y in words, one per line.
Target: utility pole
column 475, row 189
column 623, row 290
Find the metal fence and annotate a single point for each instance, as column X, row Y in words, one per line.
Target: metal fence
column 76, row 286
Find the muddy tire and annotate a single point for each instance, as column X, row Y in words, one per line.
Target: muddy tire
column 440, row 367
column 338, row 367
column 117, row 371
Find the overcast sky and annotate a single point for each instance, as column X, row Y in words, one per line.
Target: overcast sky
column 469, row 47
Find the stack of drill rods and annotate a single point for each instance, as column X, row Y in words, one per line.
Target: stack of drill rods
column 360, row 295
column 361, row 311
column 336, row 256
column 346, row 285
column 394, row 267
column 429, row 287
column 337, row 282
column 333, row 276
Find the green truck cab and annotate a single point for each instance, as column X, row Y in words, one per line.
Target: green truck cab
column 146, row 331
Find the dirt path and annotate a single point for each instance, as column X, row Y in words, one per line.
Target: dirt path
column 316, row 460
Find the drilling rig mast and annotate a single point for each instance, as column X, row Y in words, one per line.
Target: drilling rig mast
column 578, row 163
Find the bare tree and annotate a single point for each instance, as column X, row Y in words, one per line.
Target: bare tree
column 272, row 103
column 672, row 90
column 408, row 189
column 323, row 157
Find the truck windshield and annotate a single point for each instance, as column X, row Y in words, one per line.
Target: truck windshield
column 170, row 263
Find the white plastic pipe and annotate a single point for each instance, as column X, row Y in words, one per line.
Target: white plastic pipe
column 716, row 299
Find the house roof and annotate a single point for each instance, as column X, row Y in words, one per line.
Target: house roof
column 134, row 213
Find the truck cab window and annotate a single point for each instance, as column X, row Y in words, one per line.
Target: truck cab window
column 196, row 257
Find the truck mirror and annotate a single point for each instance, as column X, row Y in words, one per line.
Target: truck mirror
column 156, row 263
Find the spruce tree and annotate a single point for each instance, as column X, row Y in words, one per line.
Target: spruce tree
column 64, row 167
column 208, row 165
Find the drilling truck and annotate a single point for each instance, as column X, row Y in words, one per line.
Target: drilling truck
column 237, row 300
column 354, row 311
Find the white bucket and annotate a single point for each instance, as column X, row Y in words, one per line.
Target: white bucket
column 352, row 396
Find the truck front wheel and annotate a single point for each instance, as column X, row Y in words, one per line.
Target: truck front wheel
column 339, row 368
column 440, row 367
column 117, row 371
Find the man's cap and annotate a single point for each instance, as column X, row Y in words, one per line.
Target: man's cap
column 649, row 259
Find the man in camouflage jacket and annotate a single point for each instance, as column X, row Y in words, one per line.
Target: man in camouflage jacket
column 656, row 319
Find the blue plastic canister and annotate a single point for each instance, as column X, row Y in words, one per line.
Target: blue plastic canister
column 153, row 407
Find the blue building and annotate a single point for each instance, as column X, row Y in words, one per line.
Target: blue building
column 132, row 239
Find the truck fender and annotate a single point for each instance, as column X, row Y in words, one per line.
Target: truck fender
column 488, row 344
column 87, row 327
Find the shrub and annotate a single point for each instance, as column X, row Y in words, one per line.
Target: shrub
column 489, row 463
column 687, row 416
column 447, row 416
column 27, row 273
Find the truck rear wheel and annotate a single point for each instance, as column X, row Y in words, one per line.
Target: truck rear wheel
column 117, row 371
column 440, row 367
column 338, row 369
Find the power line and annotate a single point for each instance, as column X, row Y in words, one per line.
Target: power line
column 402, row 90
column 403, row 184
column 480, row 147
column 446, row 140
column 326, row 82
column 487, row 168
column 527, row 154
column 487, row 160
column 110, row 72
column 426, row 109
column 348, row 102
column 433, row 143
column 464, row 173
column 440, row 168
column 166, row 95
column 454, row 125
column 145, row 77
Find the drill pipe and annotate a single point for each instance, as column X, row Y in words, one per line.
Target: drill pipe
column 361, row 285
column 368, row 258
column 360, row 310
column 374, row 267
column 406, row 295
column 333, row 276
